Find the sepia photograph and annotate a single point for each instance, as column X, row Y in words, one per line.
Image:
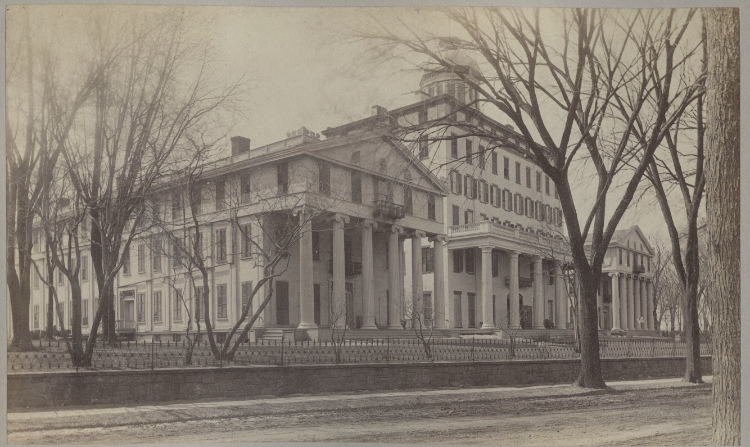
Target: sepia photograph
column 395, row 225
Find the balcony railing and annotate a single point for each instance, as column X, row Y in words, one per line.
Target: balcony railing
column 523, row 283
column 124, row 325
column 639, row 269
column 351, row 268
column 388, row 210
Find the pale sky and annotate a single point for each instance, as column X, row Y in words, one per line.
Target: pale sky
column 303, row 68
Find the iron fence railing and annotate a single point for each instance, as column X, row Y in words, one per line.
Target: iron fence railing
column 52, row 355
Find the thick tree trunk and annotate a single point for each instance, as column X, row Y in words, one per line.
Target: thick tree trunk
column 723, row 209
column 591, row 372
column 693, row 372
column 50, row 304
column 19, row 303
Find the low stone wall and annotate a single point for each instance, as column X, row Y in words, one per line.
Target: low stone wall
column 37, row 390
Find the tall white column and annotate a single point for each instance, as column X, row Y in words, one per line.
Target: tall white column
column 488, row 319
column 394, row 279
column 623, row 301
column 561, row 299
column 368, row 282
column 417, row 290
column 306, row 298
column 438, row 289
column 339, row 272
column 515, row 311
column 631, row 308
column 644, row 305
column 637, row 302
column 650, row 304
column 538, row 310
column 616, row 310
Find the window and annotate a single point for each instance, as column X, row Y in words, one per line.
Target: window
column 199, row 304
column 548, row 214
column 485, row 193
column 628, row 258
column 157, row 307
column 454, row 145
column 197, row 199
column 356, row 187
column 177, row 308
column 529, row 207
column 469, row 216
column 324, row 179
column 555, row 188
column 156, row 211
column 469, row 153
column 427, row 260
column 482, row 157
column 528, row 177
column 176, row 206
column 36, row 276
column 470, row 261
column 408, row 205
column 220, row 195
column 282, row 178
column 156, row 254
column 546, row 184
column 518, row 204
column 221, row 244
column 458, row 318
column 455, row 182
column 245, row 188
column 494, row 162
column 422, row 116
column 495, row 263
column 85, row 312
column 246, row 234
column 482, row 217
column 221, row 301
column 458, row 261
column 620, row 251
column 559, row 218
column 456, row 214
column 518, row 173
column 431, row 91
column 507, row 200
column 474, row 188
column 126, row 260
column 648, row 264
column 506, row 168
column 538, row 210
column 452, row 89
column 141, row 307
column 431, row 207
column 424, row 150
column 461, row 92
column 316, row 303
column 141, row 258
column 316, row 245
column 492, row 194
column 440, row 88
column 472, row 309
column 36, row 316
column 427, row 306
column 354, row 159
column 247, row 290
column 538, row 181
column 84, row 271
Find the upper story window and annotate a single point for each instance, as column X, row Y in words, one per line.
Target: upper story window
column 494, row 162
column 196, row 200
column 482, row 157
column 422, row 116
column 282, row 178
column 324, row 178
column 538, row 181
column 518, row 173
column 356, row 187
column 221, row 199
column 620, row 252
column 126, row 260
column 528, row 177
column 176, row 206
column 456, row 213
column 246, row 235
column 84, row 271
column 431, row 207
column 245, row 188
column 506, row 168
column 316, row 245
column 546, row 184
column 424, row 150
column 454, row 145
column 469, row 152
column 455, row 178
column 221, row 244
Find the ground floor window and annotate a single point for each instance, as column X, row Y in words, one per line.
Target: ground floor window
column 472, row 310
column 457, row 310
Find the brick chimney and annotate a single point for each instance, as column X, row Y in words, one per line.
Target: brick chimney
column 240, row 145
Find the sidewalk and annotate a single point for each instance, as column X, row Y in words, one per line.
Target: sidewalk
column 515, row 393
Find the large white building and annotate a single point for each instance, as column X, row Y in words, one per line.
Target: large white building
column 472, row 226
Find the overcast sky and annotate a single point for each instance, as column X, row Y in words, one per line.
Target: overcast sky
column 303, row 68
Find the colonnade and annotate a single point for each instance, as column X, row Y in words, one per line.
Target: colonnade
column 632, row 302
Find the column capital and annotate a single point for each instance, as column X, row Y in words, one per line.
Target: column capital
column 369, row 223
column 439, row 237
column 397, row 229
column 614, row 274
column 513, row 254
column 418, row 233
column 342, row 218
column 486, row 248
column 301, row 210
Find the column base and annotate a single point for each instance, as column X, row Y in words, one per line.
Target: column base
column 369, row 326
column 307, row 326
column 539, row 327
column 487, row 326
column 306, row 334
column 397, row 327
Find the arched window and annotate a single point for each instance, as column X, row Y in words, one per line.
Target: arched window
column 354, row 158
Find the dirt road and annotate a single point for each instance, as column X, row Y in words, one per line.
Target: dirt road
column 656, row 412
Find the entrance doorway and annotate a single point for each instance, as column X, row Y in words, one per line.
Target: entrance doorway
column 282, row 303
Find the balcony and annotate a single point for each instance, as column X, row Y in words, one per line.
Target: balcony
column 351, row 268
column 523, row 283
column 388, row 210
column 124, row 326
column 639, row 269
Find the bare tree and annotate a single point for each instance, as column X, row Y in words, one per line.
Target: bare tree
column 156, row 93
column 723, row 210
column 571, row 81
